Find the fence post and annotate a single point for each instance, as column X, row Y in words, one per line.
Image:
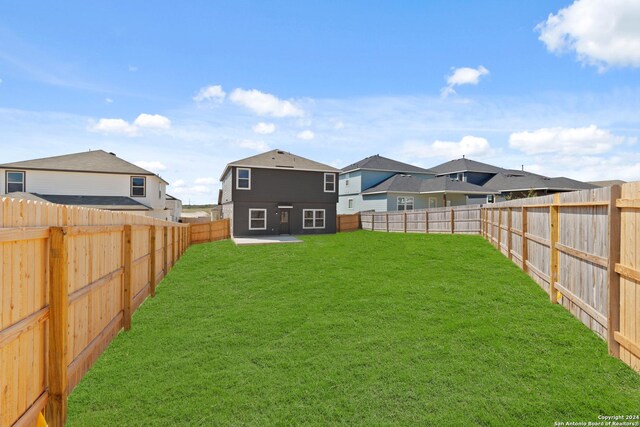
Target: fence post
column 554, row 236
column 128, row 273
column 500, row 229
column 405, row 222
column 373, row 221
column 386, row 214
column 165, row 250
column 525, row 246
column 613, row 278
column 152, row 259
column 426, row 222
column 453, row 225
column 509, row 233
column 58, row 314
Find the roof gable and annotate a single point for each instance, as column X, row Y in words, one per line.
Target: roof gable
column 465, row 165
column 88, row 161
column 278, row 159
column 380, row 163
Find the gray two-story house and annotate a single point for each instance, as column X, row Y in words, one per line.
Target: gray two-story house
column 279, row 193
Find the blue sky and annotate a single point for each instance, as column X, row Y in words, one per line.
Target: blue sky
column 184, row 88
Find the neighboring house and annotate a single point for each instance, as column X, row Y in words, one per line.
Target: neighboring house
column 95, row 179
column 607, row 183
column 196, row 217
column 361, row 176
column 175, row 207
column 405, row 192
column 279, row 193
column 507, row 183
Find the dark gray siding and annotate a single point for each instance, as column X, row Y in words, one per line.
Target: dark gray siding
column 241, row 218
column 273, row 187
column 283, row 186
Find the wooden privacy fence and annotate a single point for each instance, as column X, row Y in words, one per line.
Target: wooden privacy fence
column 453, row 220
column 210, row 231
column 581, row 248
column 348, row 222
column 70, row 280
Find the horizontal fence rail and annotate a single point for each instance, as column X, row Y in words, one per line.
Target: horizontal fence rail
column 580, row 247
column 71, row 278
column 452, row 220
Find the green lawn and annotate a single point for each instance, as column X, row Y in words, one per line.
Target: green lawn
column 354, row 328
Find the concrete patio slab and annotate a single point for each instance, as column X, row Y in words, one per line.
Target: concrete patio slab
column 264, row 240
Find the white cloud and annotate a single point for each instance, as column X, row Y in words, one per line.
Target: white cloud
column 114, row 126
column 133, row 68
column 576, row 141
column 153, row 166
column 210, row 93
column 179, row 183
column 0, row 81
column 601, row 32
column 264, row 128
column 108, row 100
column 470, row 146
column 206, row 181
column 463, row 76
column 265, row 104
column 339, row 124
column 306, row 135
column 153, row 121
column 252, row 145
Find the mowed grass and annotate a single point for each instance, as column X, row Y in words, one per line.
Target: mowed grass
column 356, row 328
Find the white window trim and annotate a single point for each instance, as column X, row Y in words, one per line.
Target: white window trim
column 24, row 179
column 144, row 186
column 492, row 197
column 238, row 178
column 324, row 219
column 265, row 219
column 350, row 203
column 406, row 198
column 435, row 202
column 333, row 182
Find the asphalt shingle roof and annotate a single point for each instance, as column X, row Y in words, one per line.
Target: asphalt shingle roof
column 464, row 165
column 508, row 182
column 380, row 163
column 102, row 202
column 278, row 159
column 410, row 184
column 87, row 161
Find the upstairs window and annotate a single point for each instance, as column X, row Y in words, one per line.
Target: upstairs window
column 490, row 198
column 350, row 201
column 15, row 181
column 405, row 203
column 329, row 183
column 243, row 179
column 138, row 186
column 312, row 218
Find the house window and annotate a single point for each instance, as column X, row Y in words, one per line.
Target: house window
column 461, row 176
column 329, row 183
column 405, row 203
column 313, row 218
column 15, row 181
column 490, row 198
column 138, row 186
column 432, row 202
column 243, row 179
column 350, row 203
column 257, row 219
